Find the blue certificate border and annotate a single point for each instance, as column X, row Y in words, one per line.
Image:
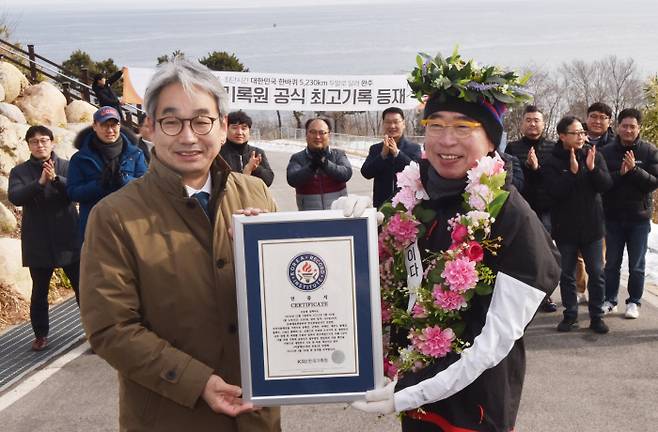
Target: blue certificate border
column 358, row 230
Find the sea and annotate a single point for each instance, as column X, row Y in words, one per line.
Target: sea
column 351, row 38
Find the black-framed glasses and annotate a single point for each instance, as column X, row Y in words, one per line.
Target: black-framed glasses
column 601, row 117
column 36, row 141
column 200, row 125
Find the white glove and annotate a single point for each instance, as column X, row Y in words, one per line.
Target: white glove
column 378, row 401
column 352, row 205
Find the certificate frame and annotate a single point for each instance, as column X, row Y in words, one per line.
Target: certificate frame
column 262, row 245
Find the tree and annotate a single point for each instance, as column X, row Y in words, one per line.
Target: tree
column 79, row 60
column 649, row 129
column 223, row 61
column 167, row 57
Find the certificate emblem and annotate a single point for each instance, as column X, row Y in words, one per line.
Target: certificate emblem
column 307, row 272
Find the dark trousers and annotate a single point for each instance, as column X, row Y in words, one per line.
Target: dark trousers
column 39, row 301
column 634, row 236
column 593, row 256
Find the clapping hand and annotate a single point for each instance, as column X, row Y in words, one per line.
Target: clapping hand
column 573, row 163
column 628, row 163
column 590, row 158
column 254, row 162
column 390, row 147
column 47, row 173
column 532, row 160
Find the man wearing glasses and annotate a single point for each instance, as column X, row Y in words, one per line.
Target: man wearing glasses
column 49, row 234
column 389, row 157
column 157, row 276
column 318, row 173
column 107, row 159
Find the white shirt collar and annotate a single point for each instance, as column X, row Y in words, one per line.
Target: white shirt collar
column 207, row 187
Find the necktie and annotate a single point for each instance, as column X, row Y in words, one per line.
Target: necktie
column 204, row 199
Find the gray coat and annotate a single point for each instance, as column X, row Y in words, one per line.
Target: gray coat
column 50, row 220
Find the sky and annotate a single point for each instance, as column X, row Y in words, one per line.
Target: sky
column 23, row 5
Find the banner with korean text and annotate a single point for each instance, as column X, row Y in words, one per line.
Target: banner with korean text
column 296, row 92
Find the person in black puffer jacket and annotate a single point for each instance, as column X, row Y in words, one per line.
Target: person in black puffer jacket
column 102, row 87
column 242, row 157
column 576, row 176
column 633, row 164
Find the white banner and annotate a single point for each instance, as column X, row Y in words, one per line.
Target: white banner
column 296, row 92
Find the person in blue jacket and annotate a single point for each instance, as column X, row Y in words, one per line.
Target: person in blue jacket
column 107, row 159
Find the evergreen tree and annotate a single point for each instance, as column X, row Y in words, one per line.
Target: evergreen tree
column 223, row 61
column 650, row 112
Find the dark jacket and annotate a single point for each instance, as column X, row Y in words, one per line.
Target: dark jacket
column 630, row 198
column 577, row 212
column 607, row 138
column 84, row 180
column 383, row 170
column 491, row 402
column 238, row 155
column 514, row 170
column 105, row 94
column 49, row 234
column 318, row 186
column 533, row 189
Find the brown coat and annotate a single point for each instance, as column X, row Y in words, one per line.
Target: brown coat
column 158, row 299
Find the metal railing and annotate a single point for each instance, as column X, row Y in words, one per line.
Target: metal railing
column 74, row 88
column 354, row 144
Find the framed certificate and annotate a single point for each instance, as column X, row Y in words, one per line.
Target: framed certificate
column 308, row 306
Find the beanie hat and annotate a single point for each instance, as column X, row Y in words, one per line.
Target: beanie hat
column 490, row 115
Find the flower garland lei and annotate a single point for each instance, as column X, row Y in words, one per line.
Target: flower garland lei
column 430, row 305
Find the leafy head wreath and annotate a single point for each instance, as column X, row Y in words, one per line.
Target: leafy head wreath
column 454, row 77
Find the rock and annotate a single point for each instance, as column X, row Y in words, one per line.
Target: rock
column 13, row 81
column 64, row 142
column 80, row 112
column 43, row 104
column 4, row 187
column 12, row 112
column 12, row 272
column 8, row 223
column 13, row 148
column 2, row 93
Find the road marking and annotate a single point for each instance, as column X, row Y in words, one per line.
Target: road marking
column 35, row 380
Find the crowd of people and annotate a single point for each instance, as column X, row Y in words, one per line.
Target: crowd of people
column 134, row 244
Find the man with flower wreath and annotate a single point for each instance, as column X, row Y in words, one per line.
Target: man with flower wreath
column 456, row 351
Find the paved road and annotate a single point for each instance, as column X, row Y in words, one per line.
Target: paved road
column 575, row 382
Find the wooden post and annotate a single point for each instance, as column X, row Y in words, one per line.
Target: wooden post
column 85, row 79
column 66, row 89
column 33, row 65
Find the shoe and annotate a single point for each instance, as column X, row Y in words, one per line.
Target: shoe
column 598, row 326
column 567, row 324
column 582, row 298
column 40, row 343
column 608, row 307
column 548, row 306
column 632, row 311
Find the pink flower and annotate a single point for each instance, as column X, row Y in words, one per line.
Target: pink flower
column 488, row 166
column 474, row 251
column 459, row 233
column 448, row 300
column 418, row 311
column 386, row 312
column 384, row 252
column 403, row 230
column 411, row 187
column 479, row 197
column 390, row 370
column 460, row 274
column 433, row 341
column 407, row 197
